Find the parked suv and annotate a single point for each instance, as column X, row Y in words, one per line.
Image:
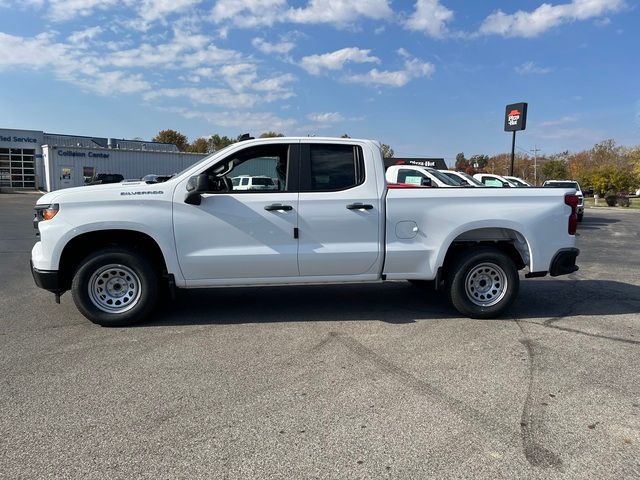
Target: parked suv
column 569, row 184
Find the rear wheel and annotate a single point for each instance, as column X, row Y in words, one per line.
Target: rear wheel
column 115, row 287
column 483, row 283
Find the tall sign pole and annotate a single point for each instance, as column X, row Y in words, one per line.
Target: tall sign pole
column 515, row 119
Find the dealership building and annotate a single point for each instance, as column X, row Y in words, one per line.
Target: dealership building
column 33, row 159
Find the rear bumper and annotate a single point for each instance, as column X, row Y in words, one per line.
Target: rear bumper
column 46, row 279
column 564, row 262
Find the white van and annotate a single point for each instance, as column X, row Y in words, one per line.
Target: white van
column 248, row 182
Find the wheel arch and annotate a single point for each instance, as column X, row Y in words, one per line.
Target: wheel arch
column 506, row 239
column 82, row 245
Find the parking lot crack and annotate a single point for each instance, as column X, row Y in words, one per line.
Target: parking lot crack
column 532, row 417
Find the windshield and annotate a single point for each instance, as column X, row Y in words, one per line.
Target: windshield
column 563, row 185
column 473, row 181
column 205, row 159
column 442, row 177
column 518, row 183
column 455, row 178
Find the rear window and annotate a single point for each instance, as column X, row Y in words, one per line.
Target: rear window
column 262, row 181
column 563, row 185
column 335, row 167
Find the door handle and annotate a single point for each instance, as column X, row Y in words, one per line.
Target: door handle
column 277, row 206
column 359, row 206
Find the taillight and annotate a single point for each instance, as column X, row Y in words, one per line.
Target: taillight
column 572, row 200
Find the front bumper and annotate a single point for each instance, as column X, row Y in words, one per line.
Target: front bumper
column 47, row 279
column 564, row 262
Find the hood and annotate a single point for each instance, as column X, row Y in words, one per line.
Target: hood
column 87, row 190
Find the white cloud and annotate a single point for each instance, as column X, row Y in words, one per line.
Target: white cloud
column 220, row 97
column 339, row 11
column 413, row 68
column 152, row 10
column 61, row 10
column 271, row 48
column 327, row 117
column 67, row 64
column 430, row 17
column 86, row 34
column 545, row 17
column 530, row 68
column 252, row 13
column 245, row 121
column 184, row 50
column 560, row 121
column 247, row 13
column 315, row 64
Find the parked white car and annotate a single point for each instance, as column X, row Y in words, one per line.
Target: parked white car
column 519, row 182
column 332, row 219
column 463, row 179
column 492, row 180
column 569, row 184
column 419, row 176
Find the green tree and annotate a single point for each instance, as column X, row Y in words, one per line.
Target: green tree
column 387, row 151
column 344, row 135
column 479, row 161
column 554, row 170
column 199, row 145
column 216, row 142
column 271, row 134
column 172, row 136
column 461, row 162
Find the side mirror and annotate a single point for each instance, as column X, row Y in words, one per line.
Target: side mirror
column 426, row 182
column 196, row 185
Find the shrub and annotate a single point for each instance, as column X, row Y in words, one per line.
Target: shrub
column 623, row 201
column 611, row 198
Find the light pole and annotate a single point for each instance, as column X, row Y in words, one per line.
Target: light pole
column 535, row 151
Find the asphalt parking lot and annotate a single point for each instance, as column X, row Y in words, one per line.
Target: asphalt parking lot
column 361, row 381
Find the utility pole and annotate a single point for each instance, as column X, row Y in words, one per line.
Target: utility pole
column 535, row 151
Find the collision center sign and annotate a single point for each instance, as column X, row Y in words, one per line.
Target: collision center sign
column 515, row 117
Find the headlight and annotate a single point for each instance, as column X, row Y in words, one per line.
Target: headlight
column 45, row 212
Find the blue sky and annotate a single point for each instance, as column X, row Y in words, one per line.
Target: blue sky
column 428, row 77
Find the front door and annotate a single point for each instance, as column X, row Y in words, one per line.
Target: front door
column 240, row 231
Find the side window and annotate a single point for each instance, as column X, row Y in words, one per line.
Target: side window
column 411, row 177
column 261, row 169
column 334, row 167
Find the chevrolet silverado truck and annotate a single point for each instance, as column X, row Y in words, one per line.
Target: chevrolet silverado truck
column 333, row 219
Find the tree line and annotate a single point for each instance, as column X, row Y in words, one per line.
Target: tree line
column 216, row 142
column 605, row 167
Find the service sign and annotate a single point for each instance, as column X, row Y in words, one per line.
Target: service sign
column 515, row 117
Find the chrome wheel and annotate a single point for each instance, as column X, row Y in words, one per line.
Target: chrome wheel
column 486, row 284
column 114, row 288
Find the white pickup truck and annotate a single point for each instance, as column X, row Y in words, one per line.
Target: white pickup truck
column 333, row 219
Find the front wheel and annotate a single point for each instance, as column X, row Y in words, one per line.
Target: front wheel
column 483, row 283
column 115, row 287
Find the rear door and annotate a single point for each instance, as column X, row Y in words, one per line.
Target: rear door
column 339, row 212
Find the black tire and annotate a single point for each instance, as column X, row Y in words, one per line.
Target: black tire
column 489, row 265
column 580, row 215
column 130, row 305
